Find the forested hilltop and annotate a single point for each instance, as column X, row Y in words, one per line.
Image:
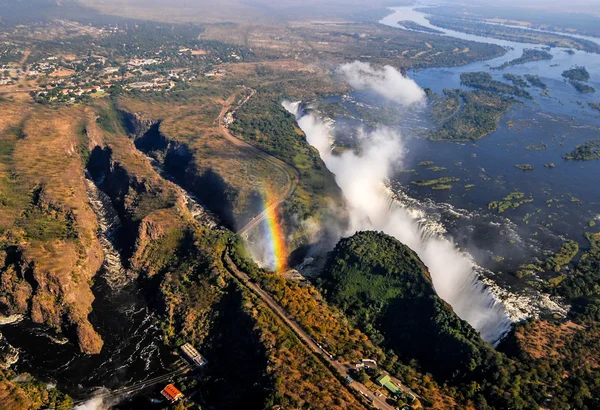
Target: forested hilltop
column 387, row 292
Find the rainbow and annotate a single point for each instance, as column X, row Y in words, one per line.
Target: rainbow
column 274, row 232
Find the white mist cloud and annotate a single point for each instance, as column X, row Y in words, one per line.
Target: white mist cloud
column 387, row 82
column 362, row 179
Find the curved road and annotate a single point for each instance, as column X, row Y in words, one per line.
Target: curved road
column 292, row 174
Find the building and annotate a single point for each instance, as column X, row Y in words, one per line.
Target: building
column 385, row 381
column 171, row 393
column 192, row 355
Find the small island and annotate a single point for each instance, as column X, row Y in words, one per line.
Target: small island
column 411, row 25
column 467, row 115
column 511, row 201
column 578, row 73
column 582, row 88
column 535, row 81
column 524, row 167
column 588, row 151
column 484, row 81
column 529, row 55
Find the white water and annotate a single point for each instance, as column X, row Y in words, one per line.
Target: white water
column 362, row 179
column 108, row 222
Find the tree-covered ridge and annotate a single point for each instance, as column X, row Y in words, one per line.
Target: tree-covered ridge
column 383, row 286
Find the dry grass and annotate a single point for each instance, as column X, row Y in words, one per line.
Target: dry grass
column 195, row 123
column 545, row 339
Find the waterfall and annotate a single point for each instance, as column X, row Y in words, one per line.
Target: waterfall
column 362, row 178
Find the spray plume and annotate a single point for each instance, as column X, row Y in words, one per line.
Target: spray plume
column 362, row 179
column 387, row 82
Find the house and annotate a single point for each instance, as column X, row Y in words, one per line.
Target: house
column 171, row 393
column 385, row 381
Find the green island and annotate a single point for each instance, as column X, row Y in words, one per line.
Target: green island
column 537, row 147
column 425, row 163
column 529, row 55
column 444, row 106
column 479, row 115
column 439, row 182
column 594, row 106
column 578, row 73
column 411, row 25
column 588, row 151
column 483, row 80
column 511, row 201
column 524, row 167
column 436, row 169
column 582, row 87
column 517, row 80
column 535, row 81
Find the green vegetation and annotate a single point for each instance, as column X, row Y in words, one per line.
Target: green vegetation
column 436, row 169
column 535, row 81
column 576, row 74
column 537, row 147
column 594, row 106
column 411, row 25
column 582, row 88
column 528, row 270
column 444, row 181
column 443, row 107
column 563, row 257
column 529, row 55
column 511, row 201
column 517, row 80
column 524, row 167
column 588, row 151
column 484, row 81
column 384, row 288
column 425, row 163
column 480, row 115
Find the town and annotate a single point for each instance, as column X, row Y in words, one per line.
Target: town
column 96, row 69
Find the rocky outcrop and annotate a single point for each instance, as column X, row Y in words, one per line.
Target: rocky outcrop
column 49, row 280
column 8, row 354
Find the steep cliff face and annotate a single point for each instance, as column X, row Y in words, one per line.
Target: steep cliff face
column 49, row 252
column 180, row 162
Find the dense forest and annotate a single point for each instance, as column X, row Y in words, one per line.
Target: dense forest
column 385, row 289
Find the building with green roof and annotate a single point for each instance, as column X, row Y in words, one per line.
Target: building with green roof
column 385, row 381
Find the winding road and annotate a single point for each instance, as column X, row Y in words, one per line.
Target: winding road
column 292, row 174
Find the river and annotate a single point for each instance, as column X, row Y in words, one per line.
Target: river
column 566, row 201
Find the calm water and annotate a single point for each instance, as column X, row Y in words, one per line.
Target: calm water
column 565, row 198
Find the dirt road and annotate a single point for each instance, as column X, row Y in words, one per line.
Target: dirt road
column 378, row 402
